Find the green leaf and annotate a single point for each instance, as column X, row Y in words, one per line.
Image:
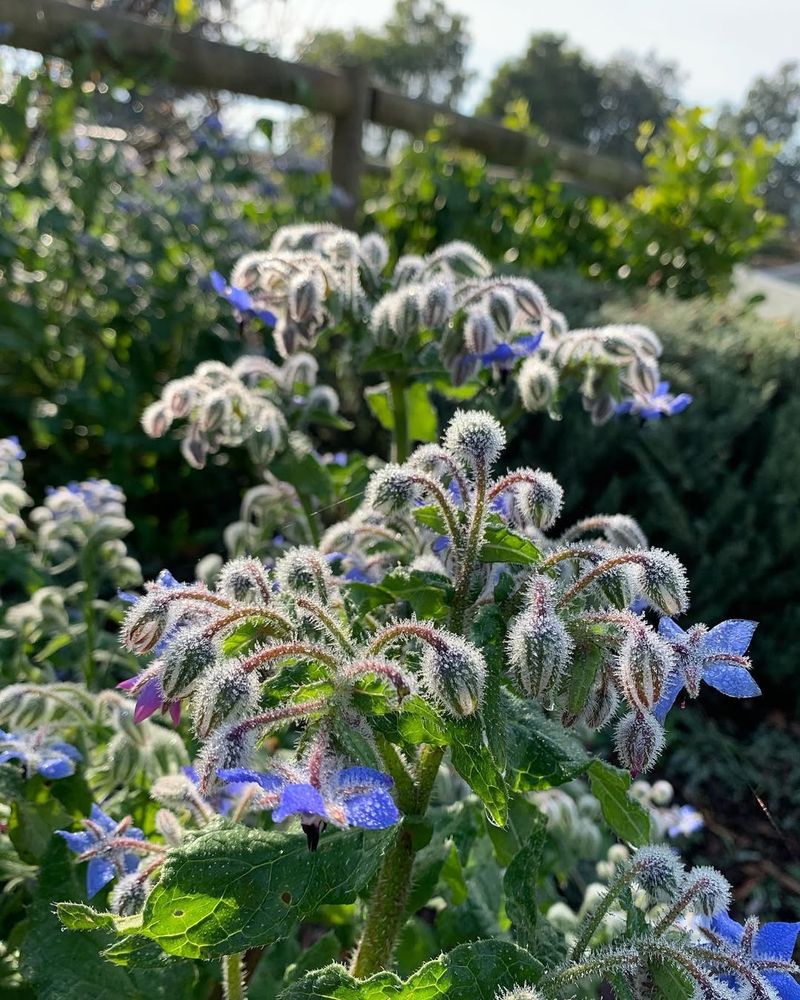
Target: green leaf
column 12, row 783
column 541, row 753
column 429, row 594
column 420, row 723
column 431, row 517
column 231, row 888
column 475, row 971
column 627, row 818
column 82, row 917
column 423, row 424
column 379, row 401
column 473, row 760
column 368, row 596
column 520, row 882
column 503, row 546
column 670, row 982
column 31, row 826
column 583, row 671
column 306, row 473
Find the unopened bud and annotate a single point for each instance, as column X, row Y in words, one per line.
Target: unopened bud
column 408, row 270
column 406, row 312
column 169, row 826
column 156, row 419
column 188, row 655
column 195, row 448
column 462, row 259
column 539, row 647
column 538, row 382
column 145, row 623
column 530, row 299
column 643, row 666
column 302, row 570
column 392, row 489
column 437, row 304
column 502, row 307
column 639, row 740
column 244, row 579
column 302, row 368
column 454, row 672
column 462, row 367
column 658, row 870
column 304, row 298
column 601, row 702
column 538, row 498
column 643, row 375
column 663, row 582
column 225, row 694
column 129, row 895
column 479, row 332
column 520, row 992
column 710, row 891
column 323, row 399
column 474, row 438
column 374, row 252
column 215, row 411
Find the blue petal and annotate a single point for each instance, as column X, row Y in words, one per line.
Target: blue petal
column 130, row 862
column 357, row 778
column 776, row 940
column 106, row 823
column 441, row 543
column 304, row 799
column 624, row 408
column 732, row 636
column 661, row 389
column 528, row 344
column 356, row 575
column 733, row 681
column 266, row 317
column 498, row 354
column 679, row 403
column 373, row 810
column 667, row 699
column 784, row 984
column 239, row 299
column 166, row 579
column 726, row 928
column 134, row 833
column 99, row 873
column 77, row 842
column 218, row 283
column 7, row 755
column 269, row 782
column 67, row 749
column 56, row 767
column 128, row 597
column 191, row 773
column 669, row 630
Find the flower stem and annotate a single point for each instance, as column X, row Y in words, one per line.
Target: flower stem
column 474, row 539
column 233, row 986
column 397, row 388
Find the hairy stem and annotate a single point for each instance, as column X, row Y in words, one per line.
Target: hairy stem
column 233, row 987
column 464, row 577
column 397, row 388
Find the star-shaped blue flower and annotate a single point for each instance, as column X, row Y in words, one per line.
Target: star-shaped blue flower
column 39, row 753
column 96, row 845
column 771, row 941
column 653, row 406
column 352, row 796
column 240, row 299
column 715, row 656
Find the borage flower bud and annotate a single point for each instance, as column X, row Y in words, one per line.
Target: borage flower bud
column 392, row 489
column 642, row 375
column 227, row 748
column 437, row 304
column 538, row 382
column 406, row 311
column 474, row 438
column 539, row 650
column 408, row 270
column 156, row 419
column 663, row 582
column 462, row 367
column 145, row 623
column 538, row 498
column 195, row 448
column 179, row 396
column 188, row 655
column 244, row 579
column 501, row 306
column 225, row 694
column 658, row 870
column 169, row 826
column 174, row 790
column 530, row 299
column 523, row 992
column 643, row 665
column 601, row 702
column 710, row 891
column 374, row 252
column 323, row 399
column 479, row 335
column 129, row 895
column 304, row 298
column 302, row 368
column 215, row 411
column 303, row 570
column 639, row 740
column 454, row 672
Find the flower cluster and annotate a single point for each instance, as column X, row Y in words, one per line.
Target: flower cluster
column 13, row 497
column 253, row 402
column 39, row 752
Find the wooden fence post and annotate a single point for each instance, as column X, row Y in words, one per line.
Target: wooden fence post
column 347, row 153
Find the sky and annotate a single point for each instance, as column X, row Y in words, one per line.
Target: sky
column 721, row 45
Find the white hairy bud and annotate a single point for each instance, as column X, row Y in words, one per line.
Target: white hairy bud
column 474, row 438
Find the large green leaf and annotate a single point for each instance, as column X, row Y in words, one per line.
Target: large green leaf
column 231, row 888
column 541, row 753
column 422, row 422
column 670, row 982
column 503, row 546
column 476, row 971
column 626, row 817
column 475, row 763
column 520, row 882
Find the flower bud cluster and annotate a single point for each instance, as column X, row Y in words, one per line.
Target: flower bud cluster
column 247, row 403
column 13, row 497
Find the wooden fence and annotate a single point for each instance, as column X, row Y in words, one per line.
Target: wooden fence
column 187, row 59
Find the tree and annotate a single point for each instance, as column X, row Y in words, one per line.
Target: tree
column 600, row 106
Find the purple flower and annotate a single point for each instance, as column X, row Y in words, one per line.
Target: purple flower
column 146, row 686
column 38, row 753
column 772, row 941
column 716, row 656
column 658, row 404
column 96, row 844
column 686, row 821
column 352, row 796
column 240, row 299
column 507, row 353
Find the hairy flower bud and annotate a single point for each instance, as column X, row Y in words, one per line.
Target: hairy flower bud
column 303, row 570
column 437, row 304
column 462, row 259
column 374, row 252
column 658, row 870
column 523, row 992
column 642, row 375
column 145, row 623
column 643, row 666
column 474, row 438
column 530, row 299
column 601, row 702
column 215, row 411
column 501, row 306
column 663, row 582
column 479, row 334
column 454, row 672
column 129, row 895
column 710, row 891
column 224, row 694
column 538, row 498
column 462, row 367
column 406, row 311
column 179, row 396
column 392, row 489
column 244, row 579
column 175, row 790
column 323, row 399
column 639, row 740
column 408, row 270
column 156, row 419
column 169, row 826
column 304, row 297
column 539, row 647
column 300, row 368
column 188, row 655
column 538, row 381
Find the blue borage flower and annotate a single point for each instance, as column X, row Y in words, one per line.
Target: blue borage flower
column 685, row 821
column 660, row 403
column 774, row 941
column 715, row 656
column 352, row 796
column 240, row 299
column 39, row 753
column 507, row 353
column 224, row 798
column 95, row 844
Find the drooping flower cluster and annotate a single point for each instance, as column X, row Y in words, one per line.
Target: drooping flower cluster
column 253, row 402
column 448, row 309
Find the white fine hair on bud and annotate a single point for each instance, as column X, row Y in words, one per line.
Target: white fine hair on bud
column 537, row 380
column 538, row 645
column 244, row 580
column 430, row 458
column 145, row 622
column 303, row 570
column 437, row 304
column 538, row 498
column 643, row 666
column 502, row 307
column 392, row 489
column 374, row 252
column 524, row 992
column 129, row 895
column 173, row 790
column 601, row 702
column 408, row 269
column 658, row 870
column 663, row 582
column 479, row 331
column 225, row 694
column 639, row 740
column 169, row 826
column 188, row 655
column 454, row 672
column 474, row 438
column 710, row 890
column 156, row 419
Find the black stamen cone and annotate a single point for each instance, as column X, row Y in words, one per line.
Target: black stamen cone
column 312, row 832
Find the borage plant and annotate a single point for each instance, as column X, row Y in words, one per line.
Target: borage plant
column 381, row 717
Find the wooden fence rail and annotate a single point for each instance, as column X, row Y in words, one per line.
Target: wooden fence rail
column 187, row 59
